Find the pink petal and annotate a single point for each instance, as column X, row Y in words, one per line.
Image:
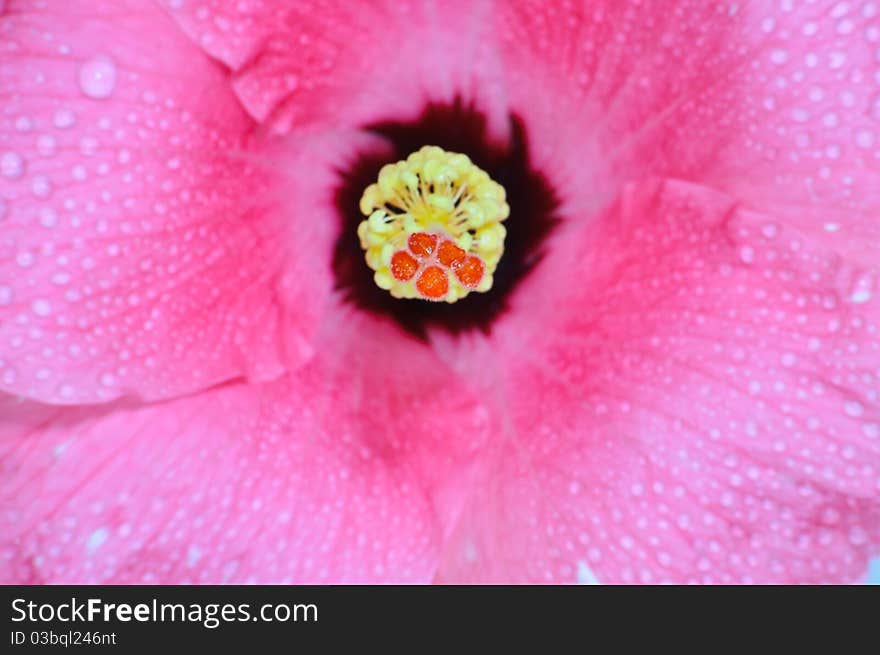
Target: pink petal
column 339, row 473
column 307, row 64
column 690, row 394
column 775, row 103
column 142, row 236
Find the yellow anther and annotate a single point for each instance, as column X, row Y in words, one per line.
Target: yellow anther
column 433, row 228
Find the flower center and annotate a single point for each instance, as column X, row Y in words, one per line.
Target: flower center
column 434, row 226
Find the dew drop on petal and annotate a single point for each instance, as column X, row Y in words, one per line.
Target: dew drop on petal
column 46, row 145
column 11, row 165
column 64, row 118
column 41, row 186
column 585, row 575
column 747, row 254
column 865, row 139
column 96, row 539
column 853, row 408
column 23, row 124
column 779, row 56
column 97, row 78
column 41, row 307
column 25, row 259
column 862, row 290
column 857, row 536
column 48, row 217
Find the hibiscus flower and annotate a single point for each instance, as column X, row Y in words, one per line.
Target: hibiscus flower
column 675, row 374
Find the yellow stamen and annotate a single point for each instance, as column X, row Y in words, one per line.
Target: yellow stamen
column 438, row 217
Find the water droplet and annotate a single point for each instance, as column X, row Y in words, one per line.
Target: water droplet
column 41, row 186
column 11, row 165
column 862, row 290
column 97, row 78
column 46, row 145
column 840, row 9
column 41, row 307
column 845, row 27
column 800, row 115
column 25, row 259
column 779, row 56
column 857, row 536
column 64, row 118
column 96, row 539
column 48, row 217
column 865, row 139
column 853, row 408
column 61, row 278
column 747, row 254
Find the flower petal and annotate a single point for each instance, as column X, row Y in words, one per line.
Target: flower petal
column 302, row 64
column 697, row 400
column 339, row 473
column 142, row 243
column 774, row 103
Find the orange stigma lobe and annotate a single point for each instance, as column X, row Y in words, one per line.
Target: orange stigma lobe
column 403, row 266
column 450, row 254
column 422, row 244
column 470, row 272
column 433, row 283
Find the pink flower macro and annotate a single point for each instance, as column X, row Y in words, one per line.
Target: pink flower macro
column 678, row 382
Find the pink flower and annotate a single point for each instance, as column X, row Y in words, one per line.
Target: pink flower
column 676, row 379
